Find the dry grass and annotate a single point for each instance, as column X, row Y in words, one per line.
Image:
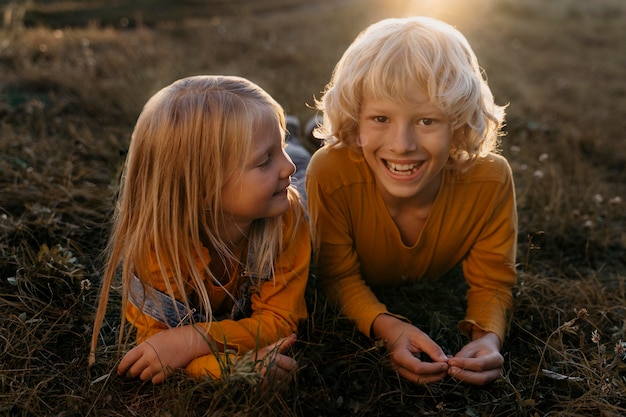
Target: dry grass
column 69, row 95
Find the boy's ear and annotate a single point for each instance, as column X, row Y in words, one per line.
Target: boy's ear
column 357, row 141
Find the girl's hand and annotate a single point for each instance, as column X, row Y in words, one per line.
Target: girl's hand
column 404, row 343
column 480, row 361
column 273, row 364
column 161, row 353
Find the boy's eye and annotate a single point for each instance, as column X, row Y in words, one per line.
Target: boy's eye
column 380, row 119
column 426, row 121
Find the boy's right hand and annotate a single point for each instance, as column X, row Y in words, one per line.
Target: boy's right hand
column 405, row 343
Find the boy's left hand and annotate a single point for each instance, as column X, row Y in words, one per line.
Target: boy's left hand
column 479, row 362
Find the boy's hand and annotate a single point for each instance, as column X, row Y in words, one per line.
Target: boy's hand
column 480, row 361
column 404, row 343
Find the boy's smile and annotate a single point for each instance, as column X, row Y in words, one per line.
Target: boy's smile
column 403, row 168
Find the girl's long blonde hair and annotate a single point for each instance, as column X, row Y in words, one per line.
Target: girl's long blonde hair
column 393, row 55
column 190, row 138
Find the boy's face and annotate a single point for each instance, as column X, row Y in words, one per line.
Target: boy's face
column 406, row 146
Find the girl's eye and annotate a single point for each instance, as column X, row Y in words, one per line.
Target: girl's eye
column 426, row 121
column 380, row 119
column 265, row 162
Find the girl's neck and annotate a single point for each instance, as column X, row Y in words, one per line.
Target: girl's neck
column 223, row 265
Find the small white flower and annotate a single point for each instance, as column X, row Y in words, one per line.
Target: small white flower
column 85, row 285
column 595, row 336
column 615, row 201
column 543, row 157
column 597, row 198
column 588, row 224
column 515, row 149
column 538, row 174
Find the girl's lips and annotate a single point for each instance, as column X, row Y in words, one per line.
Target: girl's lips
column 282, row 191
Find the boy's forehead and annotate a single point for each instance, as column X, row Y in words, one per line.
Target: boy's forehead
column 410, row 94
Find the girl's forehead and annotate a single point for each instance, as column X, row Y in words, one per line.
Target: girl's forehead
column 267, row 123
column 266, row 132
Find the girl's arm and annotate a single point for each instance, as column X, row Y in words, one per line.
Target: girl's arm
column 206, row 349
column 278, row 308
column 156, row 357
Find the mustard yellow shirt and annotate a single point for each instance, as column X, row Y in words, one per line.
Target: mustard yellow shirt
column 277, row 309
column 473, row 221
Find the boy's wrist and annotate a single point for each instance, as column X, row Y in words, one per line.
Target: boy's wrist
column 478, row 333
column 381, row 321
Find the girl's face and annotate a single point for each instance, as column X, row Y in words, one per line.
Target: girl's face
column 260, row 189
column 406, row 146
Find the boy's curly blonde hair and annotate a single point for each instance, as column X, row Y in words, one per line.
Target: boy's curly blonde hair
column 390, row 57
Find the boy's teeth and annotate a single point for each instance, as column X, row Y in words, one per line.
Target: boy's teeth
column 402, row 168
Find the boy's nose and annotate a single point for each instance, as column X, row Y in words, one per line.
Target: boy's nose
column 404, row 139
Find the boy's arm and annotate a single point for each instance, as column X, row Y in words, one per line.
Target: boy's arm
column 490, row 266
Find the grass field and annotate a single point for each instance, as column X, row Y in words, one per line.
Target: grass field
column 73, row 78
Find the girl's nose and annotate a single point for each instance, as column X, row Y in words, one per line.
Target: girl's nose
column 289, row 168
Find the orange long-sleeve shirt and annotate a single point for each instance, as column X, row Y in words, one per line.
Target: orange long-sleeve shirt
column 277, row 309
column 473, row 221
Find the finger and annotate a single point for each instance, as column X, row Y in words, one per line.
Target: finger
column 285, row 343
column 287, row 363
column 478, row 364
column 278, row 374
column 138, row 367
column 474, row 378
column 160, row 376
column 421, row 379
column 127, row 361
column 405, row 359
column 434, row 351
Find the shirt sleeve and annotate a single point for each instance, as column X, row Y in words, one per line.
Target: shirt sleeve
column 489, row 267
column 337, row 264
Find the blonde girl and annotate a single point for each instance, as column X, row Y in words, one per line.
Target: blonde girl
column 408, row 187
column 209, row 236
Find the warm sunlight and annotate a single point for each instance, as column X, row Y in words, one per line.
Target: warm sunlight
column 456, row 12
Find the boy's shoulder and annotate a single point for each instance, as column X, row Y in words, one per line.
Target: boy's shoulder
column 338, row 165
column 330, row 154
column 340, row 160
column 492, row 167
